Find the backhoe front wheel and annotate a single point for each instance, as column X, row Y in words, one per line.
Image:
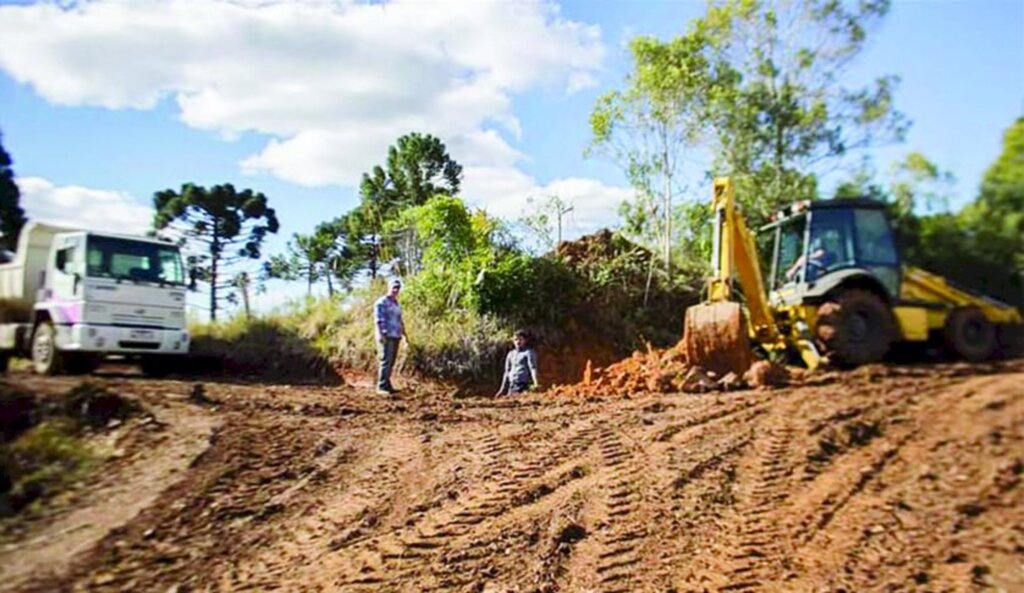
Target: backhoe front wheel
column 856, row 327
column 970, row 334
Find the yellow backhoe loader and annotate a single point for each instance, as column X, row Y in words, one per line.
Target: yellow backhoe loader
column 837, row 289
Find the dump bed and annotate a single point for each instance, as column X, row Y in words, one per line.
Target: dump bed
column 21, row 279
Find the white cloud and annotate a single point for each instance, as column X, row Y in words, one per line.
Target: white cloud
column 331, row 81
column 504, row 191
column 83, row 208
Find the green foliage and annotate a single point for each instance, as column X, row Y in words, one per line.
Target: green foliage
column 622, row 299
column 418, row 168
column 525, row 290
column 980, row 247
column 45, row 445
column 12, row 216
column 758, row 83
column 323, row 255
column 544, row 223
column 272, row 346
column 43, row 460
column 219, row 226
column 647, row 127
column 779, row 110
column 998, row 214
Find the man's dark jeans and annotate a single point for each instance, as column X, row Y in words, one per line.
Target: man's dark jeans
column 388, row 353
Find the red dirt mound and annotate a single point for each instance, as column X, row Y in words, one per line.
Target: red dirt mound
column 666, row 371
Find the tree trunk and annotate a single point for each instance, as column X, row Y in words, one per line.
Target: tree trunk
column 214, row 260
column 245, row 300
column 668, row 208
column 374, row 251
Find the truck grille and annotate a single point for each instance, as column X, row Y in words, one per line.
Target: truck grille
column 150, row 320
column 138, row 345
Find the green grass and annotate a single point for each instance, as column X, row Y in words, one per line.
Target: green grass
column 316, row 336
column 44, row 460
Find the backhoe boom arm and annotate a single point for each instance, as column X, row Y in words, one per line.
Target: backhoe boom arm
column 734, row 254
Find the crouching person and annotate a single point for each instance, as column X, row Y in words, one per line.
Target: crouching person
column 520, row 367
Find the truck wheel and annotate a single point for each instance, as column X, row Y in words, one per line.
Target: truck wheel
column 46, row 359
column 970, row 334
column 5, row 361
column 855, row 328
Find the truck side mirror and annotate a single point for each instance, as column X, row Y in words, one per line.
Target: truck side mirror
column 62, row 259
column 193, row 277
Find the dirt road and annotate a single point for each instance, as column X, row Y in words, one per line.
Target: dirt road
column 886, row 478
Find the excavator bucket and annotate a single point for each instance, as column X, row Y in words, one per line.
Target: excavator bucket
column 715, row 338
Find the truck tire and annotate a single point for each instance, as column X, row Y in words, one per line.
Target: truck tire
column 969, row 334
column 855, row 327
column 5, row 361
column 46, row 358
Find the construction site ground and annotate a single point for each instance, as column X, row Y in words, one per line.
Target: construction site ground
column 886, row 478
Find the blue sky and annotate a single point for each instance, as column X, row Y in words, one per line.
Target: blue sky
column 98, row 115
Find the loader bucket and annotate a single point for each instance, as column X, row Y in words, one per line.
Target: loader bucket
column 715, row 338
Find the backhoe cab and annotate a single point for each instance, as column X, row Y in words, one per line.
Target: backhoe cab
column 836, row 288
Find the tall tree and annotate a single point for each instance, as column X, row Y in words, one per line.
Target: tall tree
column 779, row 112
column 323, row 255
column 305, row 260
column 12, row 217
column 219, row 225
column 759, row 83
column 647, row 127
column 418, row 167
column 544, row 223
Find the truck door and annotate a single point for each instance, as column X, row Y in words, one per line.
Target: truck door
column 68, row 266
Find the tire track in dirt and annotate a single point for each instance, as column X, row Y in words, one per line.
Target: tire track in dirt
column 618, row 552
column 885, row 478
column 758, row 544
column 513, row 477
column 349, row 508
column 889, row 534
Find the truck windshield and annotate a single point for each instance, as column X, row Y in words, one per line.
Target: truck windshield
column 111, row 257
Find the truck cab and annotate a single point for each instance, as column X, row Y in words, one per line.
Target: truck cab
column 74, row 297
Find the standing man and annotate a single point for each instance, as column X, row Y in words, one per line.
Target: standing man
column 387, row 313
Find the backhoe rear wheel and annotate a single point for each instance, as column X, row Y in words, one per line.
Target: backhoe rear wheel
column 970, row 334
column 856, row 327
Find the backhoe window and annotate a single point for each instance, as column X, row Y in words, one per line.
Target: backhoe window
column 791, row 240
column 874, row 238
column 832, row 242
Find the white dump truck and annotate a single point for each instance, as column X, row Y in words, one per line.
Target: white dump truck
column 68, row 298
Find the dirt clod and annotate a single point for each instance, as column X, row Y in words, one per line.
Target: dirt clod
column 766, row 374
column 571, row 534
